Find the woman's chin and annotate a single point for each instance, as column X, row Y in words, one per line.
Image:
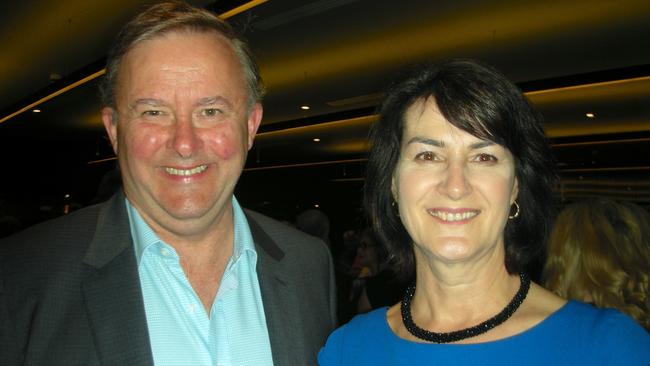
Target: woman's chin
column 454, row 251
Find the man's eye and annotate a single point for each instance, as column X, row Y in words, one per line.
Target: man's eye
column 152, row 113
column 210, row 112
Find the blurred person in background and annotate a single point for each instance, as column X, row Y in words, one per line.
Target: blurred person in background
column 314, row 222
column 599, row 252
column 376, row 284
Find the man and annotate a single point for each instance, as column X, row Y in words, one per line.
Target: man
column 171, row 271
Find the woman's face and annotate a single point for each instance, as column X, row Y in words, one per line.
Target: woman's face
column 453, row 189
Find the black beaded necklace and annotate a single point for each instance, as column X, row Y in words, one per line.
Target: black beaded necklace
column 467, row 332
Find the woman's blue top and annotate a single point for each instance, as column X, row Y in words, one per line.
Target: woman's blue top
column 576, row 334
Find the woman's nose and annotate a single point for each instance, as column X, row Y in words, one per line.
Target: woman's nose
column 455, row 183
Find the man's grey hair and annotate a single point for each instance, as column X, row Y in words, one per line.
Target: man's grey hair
column 172, row 16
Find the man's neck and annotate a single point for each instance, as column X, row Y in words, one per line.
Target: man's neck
column 203, row 254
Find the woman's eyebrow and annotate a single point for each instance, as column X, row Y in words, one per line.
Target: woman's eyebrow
column 481, row 144
column 437, row 143
column 426, row 141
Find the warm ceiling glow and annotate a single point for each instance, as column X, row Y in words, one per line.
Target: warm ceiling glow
column 36, row 110
column 317, row 205
column 226, row 15
column 241, row 8
column 590, row 115
column 56, row 93
column 389, row 47
column 305, row 107
column 102, row 160
column 316, row 140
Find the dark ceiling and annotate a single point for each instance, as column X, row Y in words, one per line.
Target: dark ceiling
column 571, row 57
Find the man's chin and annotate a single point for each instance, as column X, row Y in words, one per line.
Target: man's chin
column 195, row 209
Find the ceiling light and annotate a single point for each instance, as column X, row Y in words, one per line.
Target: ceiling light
column 317, row 205
column 304, row 107
column 36, row 110
column 590, row 115
column 316, row 139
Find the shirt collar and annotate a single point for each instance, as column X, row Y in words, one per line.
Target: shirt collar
column 243, row 239
column 144, row 236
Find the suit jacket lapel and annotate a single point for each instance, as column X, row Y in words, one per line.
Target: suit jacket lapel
column 112, row 291
column 280, row 300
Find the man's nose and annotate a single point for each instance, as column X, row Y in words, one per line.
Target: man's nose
column 185, row 140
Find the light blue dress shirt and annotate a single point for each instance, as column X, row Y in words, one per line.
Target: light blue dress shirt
column 181, row 332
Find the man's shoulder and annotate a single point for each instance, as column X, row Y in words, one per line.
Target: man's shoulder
column 60, row 224
column 53, row 237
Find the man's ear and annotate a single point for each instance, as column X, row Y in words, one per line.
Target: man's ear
column 109, row 118
column 254, row 120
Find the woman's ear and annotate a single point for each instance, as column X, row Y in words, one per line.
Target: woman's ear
column 515, row 191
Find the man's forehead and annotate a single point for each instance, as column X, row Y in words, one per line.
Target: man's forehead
column 221, row 41
column 175, row 52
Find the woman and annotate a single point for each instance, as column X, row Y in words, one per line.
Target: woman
column 459, row 190
column 599, row 252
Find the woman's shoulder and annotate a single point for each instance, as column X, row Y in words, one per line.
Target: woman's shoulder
column 573, row 325
column 596, row 319
column 556, row 311
column 607, row 322
column 373, row 321
column 358, row 339
column 609, row 330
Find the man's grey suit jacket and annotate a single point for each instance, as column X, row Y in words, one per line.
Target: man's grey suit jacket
column 70, row 291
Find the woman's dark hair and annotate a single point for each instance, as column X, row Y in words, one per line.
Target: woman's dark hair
column 481, row 101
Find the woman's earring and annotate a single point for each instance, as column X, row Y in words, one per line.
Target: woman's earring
column 516, row 214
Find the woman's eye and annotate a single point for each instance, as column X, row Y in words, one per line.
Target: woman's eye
column 486, row 158
column 426, row 155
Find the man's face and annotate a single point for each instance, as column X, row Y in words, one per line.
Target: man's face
column 183, row 130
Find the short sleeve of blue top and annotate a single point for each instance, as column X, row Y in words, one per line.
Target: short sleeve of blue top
column 577, row 334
